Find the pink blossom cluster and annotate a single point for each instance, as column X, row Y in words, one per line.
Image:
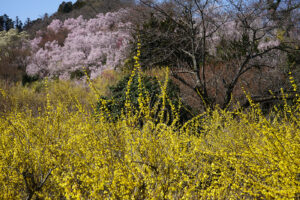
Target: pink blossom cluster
column 96, row 44
column 233, row 31
column 264, row 45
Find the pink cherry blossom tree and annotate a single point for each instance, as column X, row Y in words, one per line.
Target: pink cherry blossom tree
column 96, row 44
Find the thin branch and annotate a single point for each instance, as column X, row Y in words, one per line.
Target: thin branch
column 45, row 179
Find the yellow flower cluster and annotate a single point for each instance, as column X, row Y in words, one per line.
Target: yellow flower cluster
column 66, row 152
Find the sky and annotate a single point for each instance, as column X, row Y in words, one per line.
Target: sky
column 29, row 8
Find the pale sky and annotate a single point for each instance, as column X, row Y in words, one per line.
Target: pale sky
column 29, row 8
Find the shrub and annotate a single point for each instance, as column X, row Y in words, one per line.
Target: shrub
column 152, row 87
column 13, row 53
column 63, row 153
column 27, row 79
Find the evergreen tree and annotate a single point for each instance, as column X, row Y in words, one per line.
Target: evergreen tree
column 27, row 23
column 1, row 23
column 8, row 23
column 18, row 24
column 65, row 7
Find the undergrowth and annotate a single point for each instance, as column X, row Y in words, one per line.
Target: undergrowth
column 66, row 152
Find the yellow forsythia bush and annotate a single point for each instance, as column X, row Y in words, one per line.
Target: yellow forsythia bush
column 71, row 152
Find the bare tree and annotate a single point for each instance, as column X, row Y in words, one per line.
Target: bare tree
column 193, row 36
column 260, row 40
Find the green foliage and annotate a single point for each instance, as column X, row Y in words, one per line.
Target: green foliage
column 151, row 86
column 6, row 23
column 11, row 39
column 65, row 7
column 235, row 49
column 27, row 79
column 79, row 4
column 77, row 74
column 159, row 37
